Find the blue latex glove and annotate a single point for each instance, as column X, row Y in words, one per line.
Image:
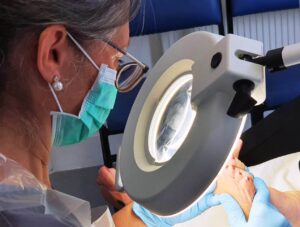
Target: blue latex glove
column 151, row 220
column 262, row 213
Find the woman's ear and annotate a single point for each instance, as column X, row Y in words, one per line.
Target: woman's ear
column 52, row 52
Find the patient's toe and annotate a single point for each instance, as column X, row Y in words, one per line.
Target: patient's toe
column 237, row 163
column 230, row 171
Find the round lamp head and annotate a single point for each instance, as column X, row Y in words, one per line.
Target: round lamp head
column 178, row 136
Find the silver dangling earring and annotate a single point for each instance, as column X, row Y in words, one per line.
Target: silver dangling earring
column 57, row 85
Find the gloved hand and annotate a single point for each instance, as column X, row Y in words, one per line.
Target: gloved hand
column 262, row 213
column 151, row 220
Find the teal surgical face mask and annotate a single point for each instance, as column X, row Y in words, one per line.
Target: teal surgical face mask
column 71, row 129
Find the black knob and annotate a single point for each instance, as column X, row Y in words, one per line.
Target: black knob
column 242, row 102
column 216, row 60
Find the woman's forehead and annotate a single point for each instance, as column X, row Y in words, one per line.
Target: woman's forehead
column 121, row 36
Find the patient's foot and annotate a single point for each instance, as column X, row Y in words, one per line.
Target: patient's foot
column 288, row 203
column 239, row 184
column 106, row 181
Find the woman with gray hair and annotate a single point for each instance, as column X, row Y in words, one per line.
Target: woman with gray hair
column 59, row 76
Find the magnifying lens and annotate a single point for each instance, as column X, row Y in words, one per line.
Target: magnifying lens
column 187, row 119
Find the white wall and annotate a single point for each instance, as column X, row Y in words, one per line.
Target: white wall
column 274, row 29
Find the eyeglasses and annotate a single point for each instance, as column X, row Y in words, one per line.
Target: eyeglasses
column 129, row 74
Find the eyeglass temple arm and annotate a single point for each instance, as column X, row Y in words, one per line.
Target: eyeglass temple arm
column 145, row 67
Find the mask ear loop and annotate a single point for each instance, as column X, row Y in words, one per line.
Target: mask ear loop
column 85, row 54
column 55, row 97
column 83, row 51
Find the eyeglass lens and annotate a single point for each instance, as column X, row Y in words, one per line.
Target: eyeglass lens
column 129, row 76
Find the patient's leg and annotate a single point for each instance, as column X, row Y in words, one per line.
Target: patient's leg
column 239, row 184
column 288, row 203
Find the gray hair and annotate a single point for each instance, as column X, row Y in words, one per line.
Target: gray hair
column 85, row 19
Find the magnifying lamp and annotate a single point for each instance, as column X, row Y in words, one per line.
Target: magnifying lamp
column 187, row 119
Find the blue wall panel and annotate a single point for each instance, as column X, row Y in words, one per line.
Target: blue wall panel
column 157, row 16
column 244, row 7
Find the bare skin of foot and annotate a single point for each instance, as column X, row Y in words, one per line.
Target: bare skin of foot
column 239, row 184
column 288, row 203
column 234, row 180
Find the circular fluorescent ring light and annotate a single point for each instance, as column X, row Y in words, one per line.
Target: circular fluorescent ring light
column 172, row 120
